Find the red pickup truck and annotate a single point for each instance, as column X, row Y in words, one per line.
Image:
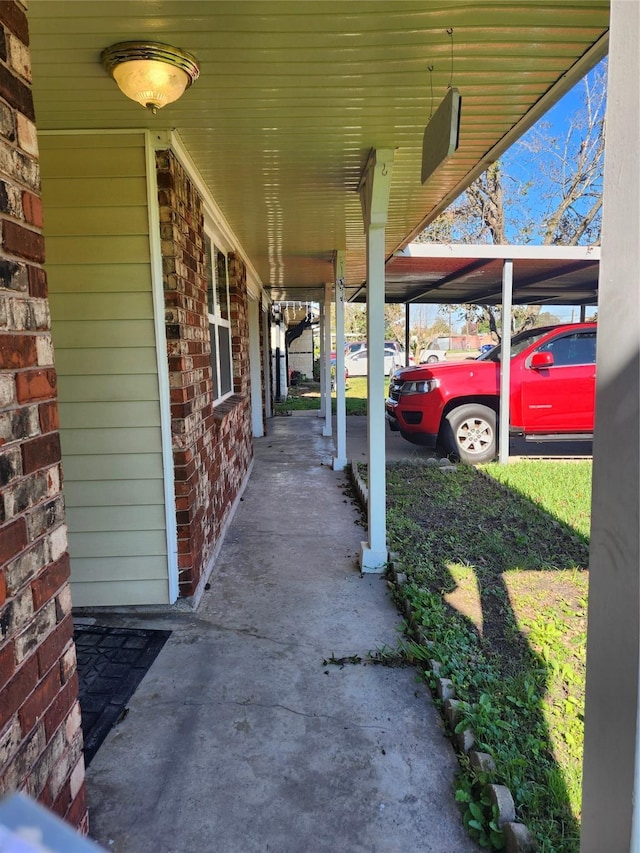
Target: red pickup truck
column 455, row 405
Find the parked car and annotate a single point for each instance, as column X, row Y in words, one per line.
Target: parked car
column 486, row 348
column 394, row 357
column 456, row 405
column 432, row 353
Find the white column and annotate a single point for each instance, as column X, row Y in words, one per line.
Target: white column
column 611, row 786
column 374, row 195
column 327, row 428
column 505, row 363
column 340, row 459
column 321, row 362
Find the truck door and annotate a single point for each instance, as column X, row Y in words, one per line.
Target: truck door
column 560, row 398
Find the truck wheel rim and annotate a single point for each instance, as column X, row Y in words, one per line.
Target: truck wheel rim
column 474, row 435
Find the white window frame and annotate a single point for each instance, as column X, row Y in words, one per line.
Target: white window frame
column 219, row 325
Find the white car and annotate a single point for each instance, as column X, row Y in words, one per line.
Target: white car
column 357, row 364
column 431, row 356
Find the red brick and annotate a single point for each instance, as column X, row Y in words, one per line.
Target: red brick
column 7, row 663
column 41, row 452
column 13, row 538
column 17, row 690
column 15, row 20
column 77, row 813
column 50, row 652
column 38, row 282
column 23, row 242
column 48, row 582
column 62, row 802
column 38, row 702
column 59, row 709
column 17, row 351
column 32, row 206
column 36, row 385
column 3, row 589
column 49, row 417
column 16, row 93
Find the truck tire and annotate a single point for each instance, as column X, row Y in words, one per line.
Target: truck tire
column 432, row 359
column 470, row 433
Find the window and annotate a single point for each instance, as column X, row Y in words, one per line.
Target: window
column 219, row 324
column 573, row 349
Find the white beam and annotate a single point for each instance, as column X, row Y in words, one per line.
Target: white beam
column 611, row 786
column 374, row 196
column 505, row 362
column 340, row 459
column 490, row 250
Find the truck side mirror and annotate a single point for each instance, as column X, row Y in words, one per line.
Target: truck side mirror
column 540, row 360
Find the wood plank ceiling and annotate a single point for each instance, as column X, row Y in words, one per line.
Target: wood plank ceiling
column 293, row 95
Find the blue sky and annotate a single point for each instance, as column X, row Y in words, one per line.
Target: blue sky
column 523, row 167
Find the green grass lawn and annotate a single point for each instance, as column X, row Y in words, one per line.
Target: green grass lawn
column 496, row 561
column 306, row 396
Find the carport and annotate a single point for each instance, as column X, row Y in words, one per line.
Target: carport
column 505, row 275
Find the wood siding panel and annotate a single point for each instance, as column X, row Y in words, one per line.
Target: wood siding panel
column 110, row 192
column 99, row 493
column 102, row 306
column 138, row 466
column 99, row 250
column 136, row 543
column 106, row 388
column 85, row 519
column 108, row 360
column 101, row 220
column 120, row 594
column 117, row 278
column 101, row 569
column 113, row 440
column 98, row 263
column 95, row 333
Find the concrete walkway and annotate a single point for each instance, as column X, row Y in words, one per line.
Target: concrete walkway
column 240, row 739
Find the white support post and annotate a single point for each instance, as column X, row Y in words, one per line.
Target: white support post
column 340, row 459
column 321, row 362
column 327, row 428
column 611, row 778
column 505, row 362
column 374, row 195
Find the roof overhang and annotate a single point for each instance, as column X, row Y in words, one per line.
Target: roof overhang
column 293, row 96
column 460, row 274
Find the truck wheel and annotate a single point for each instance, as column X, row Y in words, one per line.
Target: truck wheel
column 470, row 433
column 432, row 359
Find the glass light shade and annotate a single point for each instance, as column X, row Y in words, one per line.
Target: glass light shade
column 150, row 73
column 151, row 83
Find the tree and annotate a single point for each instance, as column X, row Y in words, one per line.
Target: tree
column 546, row 189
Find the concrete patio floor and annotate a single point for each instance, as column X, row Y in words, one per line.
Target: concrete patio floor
column 239, row 738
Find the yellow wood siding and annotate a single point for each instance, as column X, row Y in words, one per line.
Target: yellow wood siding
column 98, row 266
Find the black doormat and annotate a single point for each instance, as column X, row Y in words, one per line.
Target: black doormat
column 111, row 664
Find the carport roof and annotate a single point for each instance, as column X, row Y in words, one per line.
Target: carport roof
column 457, row 274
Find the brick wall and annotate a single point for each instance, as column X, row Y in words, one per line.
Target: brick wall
column 212, row 445
column 40, row 734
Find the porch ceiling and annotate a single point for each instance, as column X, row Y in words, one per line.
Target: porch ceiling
column 293, row 96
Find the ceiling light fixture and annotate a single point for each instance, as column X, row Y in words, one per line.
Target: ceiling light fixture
column 150, row 73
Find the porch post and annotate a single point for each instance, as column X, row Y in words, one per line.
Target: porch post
column 610, row 804
column 321, row 361
column 340, row 459
column 327, row 429
column 505, row 363
column 374, row 196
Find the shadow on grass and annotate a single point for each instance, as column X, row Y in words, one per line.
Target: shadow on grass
column 499, row 589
